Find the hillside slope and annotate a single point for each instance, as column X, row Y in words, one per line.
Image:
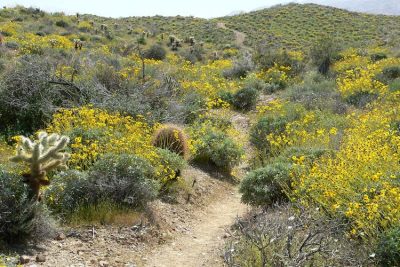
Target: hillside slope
column 298, row 26
column 294, row 26
column 386, row 7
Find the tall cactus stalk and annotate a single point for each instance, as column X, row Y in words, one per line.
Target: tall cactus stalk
column 42, row 155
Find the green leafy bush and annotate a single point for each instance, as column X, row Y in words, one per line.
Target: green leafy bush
column 123, row 179
column 220, row 150
column 317, row 93
column 241, row 67
column 245, row 98
column 389, row 74
column 174, row 162
column 119, row 180
column 265, row 126
column 378, row 56
column 21, row 217
column 226, row 96
column 395, row 85
column 388, row 249
column 264, row 186
column 156, row 51
column 194, row 106
column 324, row 52
column 68, row 190
column 62, row 23
column 361, row 99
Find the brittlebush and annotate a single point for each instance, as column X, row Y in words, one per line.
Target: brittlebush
column 95, row 132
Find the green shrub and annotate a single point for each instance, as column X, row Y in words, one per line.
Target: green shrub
column 378, row 56
column 317, row 93
column 123, row 179
column 389, row 74
column 156, row 52
column 324, row 52
column 193, row 54
column 267, row 57
column 62, row 23
column 220, row 150
column 395, row 85
column 361, row 99
column 27, row 100
column 265, row 126
column 12, row 45
column 68, row 190
column 245, row 98
column 21, row 218
column 241, row 67
column 194, row 106
column 388, row 250
column 265, row 186
column 173, row 165
column 226, row 96
column 252, row 81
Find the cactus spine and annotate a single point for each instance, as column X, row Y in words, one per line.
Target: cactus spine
column 42, row 155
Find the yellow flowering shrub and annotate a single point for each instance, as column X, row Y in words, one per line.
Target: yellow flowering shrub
column 278, row 75
column 207, row 80
column 95, row 132
column 10, row 28
column 361, row 181
column 357, row 74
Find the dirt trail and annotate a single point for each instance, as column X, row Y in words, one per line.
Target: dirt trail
column 240, row 37
column 201, row 246
column 191, row 235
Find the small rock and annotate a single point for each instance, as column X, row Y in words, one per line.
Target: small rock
column 40, row 258
column 226, row 235
column 60, row 236
column 103, row 264
column 24, row 259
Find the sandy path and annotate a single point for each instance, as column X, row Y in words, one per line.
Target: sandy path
column 202, row 245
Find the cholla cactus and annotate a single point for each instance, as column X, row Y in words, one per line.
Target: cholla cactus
column 42, row 155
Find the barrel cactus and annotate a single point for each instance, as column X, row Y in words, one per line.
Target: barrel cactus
column 172, row 138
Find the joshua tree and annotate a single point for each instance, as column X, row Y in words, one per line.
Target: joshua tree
column 42, row 155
